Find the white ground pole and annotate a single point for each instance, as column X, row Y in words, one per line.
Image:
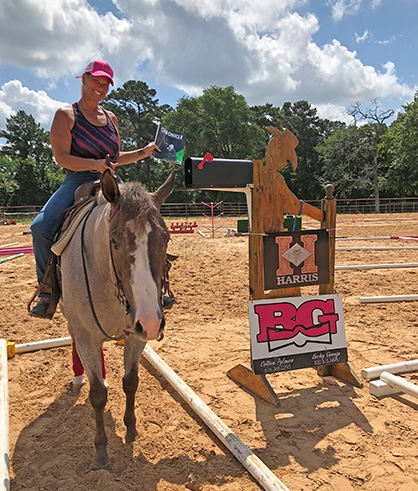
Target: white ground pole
column 377, row 238
column 4, row 420
column 9, row 245
column 37, row 345
column 392, row 384
column 401, row 367
column 391, row 298
column 376, row 266
column 362, row 238
column 261, row 473
column 408, row 248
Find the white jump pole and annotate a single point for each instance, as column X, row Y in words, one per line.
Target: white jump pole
column 37, row 345
column 400, row 383
column 401, row 367
column 4, row 420
column 386, row 219
column 9, row 245
column 261, row 473
column 407, row 248
column 377, row 266
column 391, row 298
column 363, row 238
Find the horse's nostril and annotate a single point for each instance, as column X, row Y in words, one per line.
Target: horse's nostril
column 138, row 328
column 160, row 336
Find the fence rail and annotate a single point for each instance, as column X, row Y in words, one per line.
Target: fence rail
column 236, row 209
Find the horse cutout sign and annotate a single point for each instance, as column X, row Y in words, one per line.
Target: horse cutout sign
column 271, row 199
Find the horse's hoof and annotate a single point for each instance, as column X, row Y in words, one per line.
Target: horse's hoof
column 104, row 467
column 79, row 380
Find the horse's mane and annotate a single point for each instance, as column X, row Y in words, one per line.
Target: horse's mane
column 135, row 203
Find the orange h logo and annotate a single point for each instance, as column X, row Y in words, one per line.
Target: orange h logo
column 296, row 254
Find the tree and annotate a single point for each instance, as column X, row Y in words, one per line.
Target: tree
column 138, row 112
column 218, row 122
column 302, row 120
column 30, row 160
column 375, row 117
column 400, row 143
column 8, row 184
column 345, row 163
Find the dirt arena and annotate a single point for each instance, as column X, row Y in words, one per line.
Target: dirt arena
column 326, row 435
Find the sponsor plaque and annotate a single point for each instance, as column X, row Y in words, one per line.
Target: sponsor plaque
column 296, row 332
column 297, row 258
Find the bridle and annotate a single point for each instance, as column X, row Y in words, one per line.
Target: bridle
column 120, row 293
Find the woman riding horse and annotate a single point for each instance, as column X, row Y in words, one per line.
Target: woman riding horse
column 82, row 134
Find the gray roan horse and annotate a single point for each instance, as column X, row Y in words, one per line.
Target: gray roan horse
column 111, row 288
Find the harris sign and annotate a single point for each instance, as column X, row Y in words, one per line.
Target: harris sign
column 298, row 258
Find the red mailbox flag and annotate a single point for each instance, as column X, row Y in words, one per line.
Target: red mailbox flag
column 208, row 157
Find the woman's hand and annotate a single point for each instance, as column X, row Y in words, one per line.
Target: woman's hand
column 149, row 149
column 102, row 165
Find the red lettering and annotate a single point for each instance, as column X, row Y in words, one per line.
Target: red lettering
column 273, row 316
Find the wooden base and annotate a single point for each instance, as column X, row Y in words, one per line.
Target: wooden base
column 342, row 371
column 257, row 384
column 260, row 386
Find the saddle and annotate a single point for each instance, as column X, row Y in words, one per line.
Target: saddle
column 84, row 201
column 51, row 282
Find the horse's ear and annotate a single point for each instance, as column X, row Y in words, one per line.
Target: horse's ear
column 165, row 190
column 109, row 187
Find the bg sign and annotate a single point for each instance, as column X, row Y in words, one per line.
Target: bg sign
column 296, row 332
column 297, row 258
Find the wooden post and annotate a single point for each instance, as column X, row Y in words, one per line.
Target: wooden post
column 329, row 207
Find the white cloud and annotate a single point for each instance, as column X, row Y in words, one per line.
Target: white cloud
column 366, row 35
column 333, row 112
column 38, row 104
column 341, row 8
column 266, row 51
column 56, row 38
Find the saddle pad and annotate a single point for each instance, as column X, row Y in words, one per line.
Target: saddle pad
column 63, row 240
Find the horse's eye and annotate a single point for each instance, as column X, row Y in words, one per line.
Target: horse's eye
column 114, row 244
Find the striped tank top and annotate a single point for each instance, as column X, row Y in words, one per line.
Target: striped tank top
column 91, row 141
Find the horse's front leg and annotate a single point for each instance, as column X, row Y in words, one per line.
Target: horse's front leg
column 132, row 353
column 90, row 354
column 98, row 399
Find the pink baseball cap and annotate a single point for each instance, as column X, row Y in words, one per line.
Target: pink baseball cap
column 99, row 68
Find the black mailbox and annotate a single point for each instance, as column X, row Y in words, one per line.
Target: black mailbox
column 218, row 173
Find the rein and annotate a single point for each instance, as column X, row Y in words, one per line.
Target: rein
column 120, row 294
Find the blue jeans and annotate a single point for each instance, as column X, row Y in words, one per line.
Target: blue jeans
column 48, row 221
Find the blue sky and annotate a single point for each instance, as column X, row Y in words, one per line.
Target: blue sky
column 332, row 53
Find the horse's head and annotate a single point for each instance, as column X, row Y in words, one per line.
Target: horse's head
column 281, row 149
column 138, row 241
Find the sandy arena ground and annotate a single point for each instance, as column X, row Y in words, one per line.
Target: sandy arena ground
column 326, row 435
